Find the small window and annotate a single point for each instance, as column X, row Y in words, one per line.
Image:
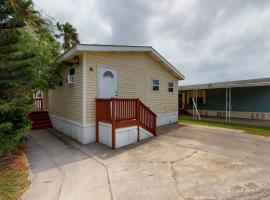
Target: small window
column 72, row 71
column 170, row 86
column 155, row 85
column 108, row 74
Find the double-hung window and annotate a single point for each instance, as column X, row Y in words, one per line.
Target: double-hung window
column 155, row 85
column 170, row 86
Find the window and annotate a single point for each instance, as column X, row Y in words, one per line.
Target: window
column 72, row 71
column 170, row 86
column 155, row 85
column 108, row 74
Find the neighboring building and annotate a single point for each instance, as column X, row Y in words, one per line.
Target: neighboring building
column 248, row 99
column 112, row 71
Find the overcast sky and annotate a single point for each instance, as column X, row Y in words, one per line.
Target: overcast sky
column 206, row 40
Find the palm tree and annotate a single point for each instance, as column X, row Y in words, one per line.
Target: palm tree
column 69, row 34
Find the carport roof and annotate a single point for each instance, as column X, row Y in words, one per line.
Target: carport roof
column 228, row 84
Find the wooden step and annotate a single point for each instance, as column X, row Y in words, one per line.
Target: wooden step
column 40, row 120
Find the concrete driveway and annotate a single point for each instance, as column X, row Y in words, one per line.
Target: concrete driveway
column 183, row 162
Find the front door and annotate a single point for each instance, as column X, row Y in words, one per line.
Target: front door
column 107, row 82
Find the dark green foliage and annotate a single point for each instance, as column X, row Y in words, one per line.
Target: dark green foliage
column 69, row 35
column 28, row 54
column 28, row 62
column 16, row 73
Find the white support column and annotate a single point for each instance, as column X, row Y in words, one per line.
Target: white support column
column 196, row 96
column 230, row 103
column 226, row 105
column 84, row 89
column 193, row 109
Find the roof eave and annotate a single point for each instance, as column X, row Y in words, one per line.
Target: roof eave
column 213, row 86
column 115, row 48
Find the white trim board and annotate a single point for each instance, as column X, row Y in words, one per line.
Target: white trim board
column 84, row 89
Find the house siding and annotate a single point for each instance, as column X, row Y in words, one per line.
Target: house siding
column 135, row 74
column 66, row 101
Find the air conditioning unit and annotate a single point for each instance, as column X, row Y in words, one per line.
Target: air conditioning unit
column 70, row 79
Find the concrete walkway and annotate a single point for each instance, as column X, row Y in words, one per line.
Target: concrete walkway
column 183, row 162
column 60, row 171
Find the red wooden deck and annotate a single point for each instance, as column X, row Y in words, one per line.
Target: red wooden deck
column 122, row 112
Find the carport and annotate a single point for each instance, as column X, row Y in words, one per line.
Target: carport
column 192, row 92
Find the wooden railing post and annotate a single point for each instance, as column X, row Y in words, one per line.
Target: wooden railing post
column 113, row 123
column 155, row 125
column 97, row 124
column 138, row 118
column 41, row 104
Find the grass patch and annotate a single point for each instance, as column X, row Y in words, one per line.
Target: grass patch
column 251, row 129
column 13, row 175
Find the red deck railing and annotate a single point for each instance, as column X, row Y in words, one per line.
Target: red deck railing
column 38, row 104
column 122, row 112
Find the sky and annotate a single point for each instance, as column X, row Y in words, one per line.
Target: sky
column 206, row 40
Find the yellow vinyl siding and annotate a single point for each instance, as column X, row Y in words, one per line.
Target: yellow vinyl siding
column 66, row 101
column 135, row 74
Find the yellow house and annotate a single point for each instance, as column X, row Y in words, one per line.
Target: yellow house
column 99, row 79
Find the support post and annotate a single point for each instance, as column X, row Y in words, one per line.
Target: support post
column 155, row 125
column 97, row 125
column 138, row 118
column 193, row 113
column 41, row 104
column 113, row 123
column 230, row 103
column 196, row 96
column 226, row 114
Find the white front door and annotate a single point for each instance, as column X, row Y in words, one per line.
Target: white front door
column 107, row 82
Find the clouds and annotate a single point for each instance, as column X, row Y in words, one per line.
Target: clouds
column 206, row 40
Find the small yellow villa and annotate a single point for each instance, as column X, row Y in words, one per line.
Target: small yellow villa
column 113, row 94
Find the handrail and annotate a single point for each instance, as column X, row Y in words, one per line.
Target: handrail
column 38, row 103
column 125, row 111
column 103, row 107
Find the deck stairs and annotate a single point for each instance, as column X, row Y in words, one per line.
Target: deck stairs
column 40, row 120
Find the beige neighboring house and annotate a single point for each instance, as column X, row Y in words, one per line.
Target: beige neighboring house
column 123, row 73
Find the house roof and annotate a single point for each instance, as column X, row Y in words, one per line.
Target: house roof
column 228, row 84
column 119, row 48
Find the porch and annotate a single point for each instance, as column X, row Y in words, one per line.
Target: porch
column 113, row 115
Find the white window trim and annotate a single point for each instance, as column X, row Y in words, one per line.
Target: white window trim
column 155, row 85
